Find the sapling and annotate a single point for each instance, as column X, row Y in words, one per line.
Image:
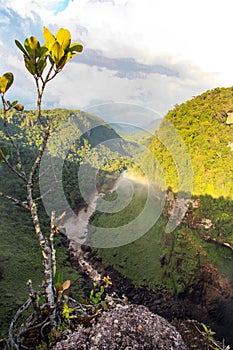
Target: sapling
column 44, row 63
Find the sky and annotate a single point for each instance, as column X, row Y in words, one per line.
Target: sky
column 152, row 54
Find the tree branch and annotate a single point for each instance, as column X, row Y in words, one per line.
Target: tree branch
column 44, row 172
column 24, row 307
column 219, row 242
column 33, row 295
column 15, row 201
column 48, row 75
column 42, row 196
column 10, row 166
column 53, row 76
column 19, row 160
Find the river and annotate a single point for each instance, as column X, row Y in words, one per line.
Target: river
column 76, row 225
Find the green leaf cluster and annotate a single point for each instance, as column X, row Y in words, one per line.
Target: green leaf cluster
column 5, row 83
column 208, row 331
column 67, row 311
column 58, row 49
column 17, row 106
column 96, row 294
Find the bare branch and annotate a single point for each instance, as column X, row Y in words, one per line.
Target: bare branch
column 208, row 238
column 40, row 90
column 53, row 76
column 15, row 201
column 24, row 307
column 44, row 172
column 43, row 195
column 48, row 75
column 19, row 160
column 33, row 295
column 11, row 167
column 212, row 340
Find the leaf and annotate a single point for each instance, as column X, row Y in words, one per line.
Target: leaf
column 43, row 52
column 58, row 286
column 60, row 48
column 30, row 65
column 4, row 152
column 75, row 47
column 67, row 311
column 20, row 46
column 64, row 38
column 107, row 280
column 6, row 81
column 58, row 277
column 41, row 64
column 205, row 327
column 66, row 285
column 56, row 52
column 51, row 60
column 62, row 62
column 104, row 305
column 49, row 38
column 18, row 107
column 32, row 46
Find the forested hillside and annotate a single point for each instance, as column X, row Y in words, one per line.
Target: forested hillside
column 202, row 124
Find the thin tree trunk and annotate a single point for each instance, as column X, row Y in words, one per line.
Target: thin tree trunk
column 47, row 258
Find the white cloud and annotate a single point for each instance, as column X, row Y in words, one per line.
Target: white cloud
column 32, row 7
column 81, row 86
column 197, row 32
column 192, row 38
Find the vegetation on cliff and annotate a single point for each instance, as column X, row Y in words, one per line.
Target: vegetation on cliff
column 202, row 124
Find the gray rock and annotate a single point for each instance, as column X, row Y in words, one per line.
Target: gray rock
column 128, row 327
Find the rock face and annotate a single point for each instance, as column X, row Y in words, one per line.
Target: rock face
column 127, row 327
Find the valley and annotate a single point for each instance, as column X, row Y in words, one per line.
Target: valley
column 193, row 262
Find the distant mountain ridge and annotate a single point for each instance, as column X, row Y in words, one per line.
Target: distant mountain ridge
column 134, row 132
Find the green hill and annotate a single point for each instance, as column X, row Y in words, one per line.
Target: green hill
column 201, row 123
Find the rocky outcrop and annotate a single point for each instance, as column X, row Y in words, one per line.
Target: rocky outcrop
column 125, row 327
column 211, row 300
